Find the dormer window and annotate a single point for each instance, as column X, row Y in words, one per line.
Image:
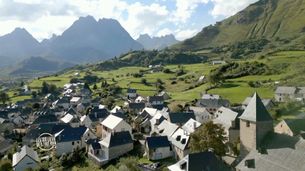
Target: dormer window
column 178, row 138
column 183, row 141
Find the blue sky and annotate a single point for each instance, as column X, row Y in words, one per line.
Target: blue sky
column 183, row 18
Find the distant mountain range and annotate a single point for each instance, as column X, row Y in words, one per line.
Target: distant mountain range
column 158, row 43
column 279, row 21
column 38, row 65
column 85, row 41
column 89, row 40
column 18, row 44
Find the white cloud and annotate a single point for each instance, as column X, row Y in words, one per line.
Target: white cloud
column 227, row 8
column 145, row 18
column 164, row 32
column 184, row 34
column 185, row 9
column 42, row 18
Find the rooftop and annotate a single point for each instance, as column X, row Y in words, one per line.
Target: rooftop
column 117, row 139
column 112, row 121
column 25, row 151
column 181, row 117
column 256, row 111
column 157, row 142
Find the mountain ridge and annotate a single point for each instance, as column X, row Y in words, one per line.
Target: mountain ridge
column 274, row 20
column 159, row 43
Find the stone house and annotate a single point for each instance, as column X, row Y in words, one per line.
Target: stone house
column 158, row 147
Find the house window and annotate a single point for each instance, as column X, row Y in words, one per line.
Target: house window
column 248, row 124
column 72, row 142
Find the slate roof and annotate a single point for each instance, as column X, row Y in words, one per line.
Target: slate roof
column 296, row 125
column 256, row 111
column 25, row 151
column 120, row 115
column 180, row 139
column 51, row 128
column 151, row 111
column 71, row 111
column 63, row 100
column 4, row 144
column 155, row 98
column 117, row 139
column 225, row 117
column 96, row 114
column 71, row 134
column 45, row 119
column 276, row 160
column 159, row 107
column 181, row 117
column 203, row 161
column 157, row 142
column 167, row 128
column 266, row 102
column 213, row 103
column 136, row 106
column 4, row 114
column 191, row 125
column 285, row 90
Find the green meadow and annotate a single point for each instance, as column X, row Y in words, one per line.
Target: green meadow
column 287, row 65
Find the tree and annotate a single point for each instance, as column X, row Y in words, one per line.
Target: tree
column 34, row 94
column 215, row 78
column 45, row 88
column 48, row 88
column 74, row 80
column 159, row 81
column 94, row 87
column 144, row 81
column 86, row 86
column 4, row 97
column 209, row 136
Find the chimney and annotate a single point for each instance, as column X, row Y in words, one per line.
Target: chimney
column 194, row 125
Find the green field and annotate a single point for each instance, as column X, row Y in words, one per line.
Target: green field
column 236, row 90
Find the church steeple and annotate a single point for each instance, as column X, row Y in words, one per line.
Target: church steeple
column 255, row 123
column 256, row 111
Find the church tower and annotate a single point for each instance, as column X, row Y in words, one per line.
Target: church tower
column 255, row 123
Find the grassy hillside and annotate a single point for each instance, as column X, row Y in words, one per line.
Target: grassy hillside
column 280, row 21
column 287, row 66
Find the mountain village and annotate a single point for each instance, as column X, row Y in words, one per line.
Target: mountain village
column 76, row 122
column 208, row 85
